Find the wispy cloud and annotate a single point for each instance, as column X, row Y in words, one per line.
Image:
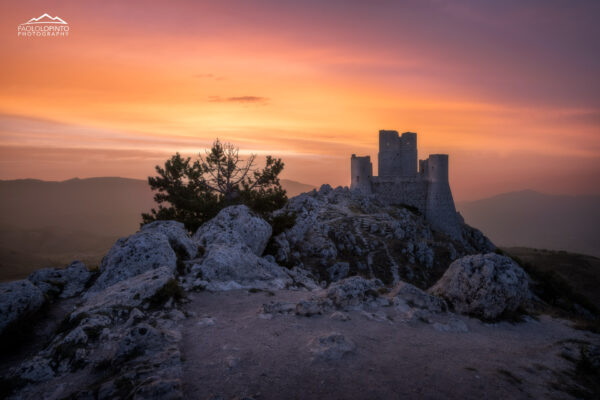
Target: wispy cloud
column 238, row 99
column 210, row 76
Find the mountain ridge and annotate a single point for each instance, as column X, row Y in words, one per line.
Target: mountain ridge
column 529, row 218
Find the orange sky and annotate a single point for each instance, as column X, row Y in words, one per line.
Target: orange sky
column 511, row 91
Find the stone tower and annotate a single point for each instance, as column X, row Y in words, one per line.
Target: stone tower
column 397, row 154
column 361, row 172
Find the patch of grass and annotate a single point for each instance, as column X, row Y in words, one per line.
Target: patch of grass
column 583, row 381
column 512, row 378
column 540, row 367
column 93, row 268
column 170, row 290
column 587, row 325
column 564, row 280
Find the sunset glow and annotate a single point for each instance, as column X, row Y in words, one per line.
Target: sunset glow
column 510, row 90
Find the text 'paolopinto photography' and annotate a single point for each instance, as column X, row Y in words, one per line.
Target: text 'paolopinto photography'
column 44, row 26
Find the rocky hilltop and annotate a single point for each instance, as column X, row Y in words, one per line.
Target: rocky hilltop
column 237, row 310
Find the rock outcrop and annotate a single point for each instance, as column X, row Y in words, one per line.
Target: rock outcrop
column 341, row 233
column 235, row 266
column 483, row 285
column 235, row 224
column 177, row 235
column 62, row 283
column 233, row 242
column 116, row 345
column 18, row 299
column 135, row 255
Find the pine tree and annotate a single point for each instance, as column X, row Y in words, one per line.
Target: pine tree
column 192, row 192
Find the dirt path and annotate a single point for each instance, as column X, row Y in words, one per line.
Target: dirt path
column 230, row 352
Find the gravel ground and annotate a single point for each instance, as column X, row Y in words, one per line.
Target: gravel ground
column 230, row 352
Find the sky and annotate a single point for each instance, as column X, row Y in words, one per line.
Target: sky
column 510, row 90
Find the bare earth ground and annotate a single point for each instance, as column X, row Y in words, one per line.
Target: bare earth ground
column 244, row 355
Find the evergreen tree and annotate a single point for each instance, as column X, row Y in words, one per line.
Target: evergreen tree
column 193, row 192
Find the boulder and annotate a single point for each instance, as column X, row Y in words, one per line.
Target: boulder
column 331, row 347
column 483, row 285
column 64, row 283
column 303, row 278
column 178, row 237
column 315, row 306
column 404, row 295
column 237, row 266
column 18, row 299
column 134, row 255
column 353, row 291
column 235, row 224
column 126, row 294
column 338, row 271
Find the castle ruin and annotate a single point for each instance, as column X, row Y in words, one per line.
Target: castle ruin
column 405, row 180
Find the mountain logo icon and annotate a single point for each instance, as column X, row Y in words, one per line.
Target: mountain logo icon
column 46, row 19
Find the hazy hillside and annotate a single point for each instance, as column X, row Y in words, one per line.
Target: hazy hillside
column 51, row 223
column 533, row 219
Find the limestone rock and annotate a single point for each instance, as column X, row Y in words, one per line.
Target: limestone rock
column 277, row 308
column 303, row 278
column 129, row 293
column 331, row 347
column 405, row 295
column 142, row 339
column 339, row 228
column 339, row 316
column 134, row 255
column 178, row 237
column 453, row 325
column 17, row 300
column 235, row 224
column 353, row 291
column 315, row 306
column 484, row 285
column 338, row 271
column 237, row 263
column 64, row 283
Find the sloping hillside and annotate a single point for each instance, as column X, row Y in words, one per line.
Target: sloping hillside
column 531, row 219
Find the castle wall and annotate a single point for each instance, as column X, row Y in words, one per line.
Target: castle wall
column 361, row 172
column 398, row 190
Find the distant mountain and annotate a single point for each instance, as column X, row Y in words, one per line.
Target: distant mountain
column 532, row 219
column 51, row 223
column 294, row 188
